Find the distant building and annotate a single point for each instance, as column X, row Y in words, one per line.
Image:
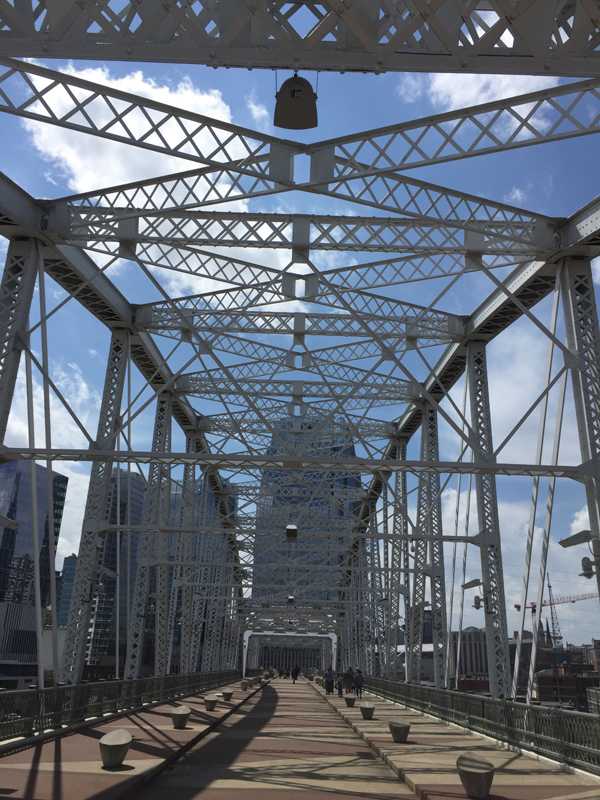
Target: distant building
column 126, row 503
column 18, row 654
column 67, row 578
column 472, row 662
column 318, row 502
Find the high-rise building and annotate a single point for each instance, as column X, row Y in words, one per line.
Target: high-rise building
column 126, row 504
column 67, row 578
column 18, row 653
column 322, row 506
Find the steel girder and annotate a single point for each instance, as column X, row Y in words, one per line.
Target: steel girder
column 452, row 232
column 428, row 561
column 16, row 291
column 252, row 463
column 52, row 97
column 97, row 510
column 583, row 337
column 489, row 526
column 304, row 233
column 156, row 511
column 415, row 322
column 558, row 37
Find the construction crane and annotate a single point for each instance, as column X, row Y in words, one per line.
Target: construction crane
column 555, row 633
column 560, row 600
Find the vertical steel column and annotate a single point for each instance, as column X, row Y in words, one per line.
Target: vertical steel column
column 197, row 617
column 188, row 548
column 373, row 586
column 96, row 514
column 16, row 291
column 156, row 507
column 399, row 578
column 429, row 558
column 489, row 525
column 583, row 339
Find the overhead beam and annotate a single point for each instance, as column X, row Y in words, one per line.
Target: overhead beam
column 302, row 462
column 537, row 38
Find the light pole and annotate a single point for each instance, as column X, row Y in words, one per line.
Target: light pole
column 587, row 564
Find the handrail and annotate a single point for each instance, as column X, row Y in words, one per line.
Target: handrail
column 570, row 737
column 56, row 710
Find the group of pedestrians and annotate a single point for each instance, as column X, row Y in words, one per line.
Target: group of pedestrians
column 348, row 682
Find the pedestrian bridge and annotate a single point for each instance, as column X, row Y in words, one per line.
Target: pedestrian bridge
column 273, row 740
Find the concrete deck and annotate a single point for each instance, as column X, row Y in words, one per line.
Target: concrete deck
column 427, row 762
column 69, row 767
column 283, row 741
column 289, row 743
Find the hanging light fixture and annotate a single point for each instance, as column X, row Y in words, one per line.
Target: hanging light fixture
column 296, row 105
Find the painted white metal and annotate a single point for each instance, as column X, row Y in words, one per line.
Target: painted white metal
column 199, row 595
column 536, row 38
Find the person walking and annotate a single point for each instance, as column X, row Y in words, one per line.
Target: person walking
column 348, row 680
column 295, row 673
column 359, row 682
column 329, row 681
column 339, row 684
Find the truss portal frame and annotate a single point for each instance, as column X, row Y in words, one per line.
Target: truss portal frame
column 317, row 376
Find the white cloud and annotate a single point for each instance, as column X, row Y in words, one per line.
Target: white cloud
column 448, row 91
column 412, row 87
column 89, row 162
column 516, row 195
column 258, row 111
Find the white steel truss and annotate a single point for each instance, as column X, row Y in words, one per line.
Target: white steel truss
column 278, row 482
column 559, row 37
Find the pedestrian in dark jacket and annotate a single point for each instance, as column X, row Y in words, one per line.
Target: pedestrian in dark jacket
column 295, row 673
column 339, row 684
column 358, row 683
column 329, row 681
column 348, row 680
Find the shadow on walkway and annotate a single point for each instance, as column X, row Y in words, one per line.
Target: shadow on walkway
column 221, row 751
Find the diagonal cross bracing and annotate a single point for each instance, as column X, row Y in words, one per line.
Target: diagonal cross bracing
column 535, row 38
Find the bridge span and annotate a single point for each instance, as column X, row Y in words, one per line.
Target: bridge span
column 275, row 741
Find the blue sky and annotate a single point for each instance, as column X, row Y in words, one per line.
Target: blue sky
column 554, row 179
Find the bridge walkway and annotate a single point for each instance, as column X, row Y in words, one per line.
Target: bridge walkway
column 283, row 741
column 286, row 743
column 427, row 762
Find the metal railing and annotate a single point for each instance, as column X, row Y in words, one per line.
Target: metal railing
column 570, row 737
column 56, row 710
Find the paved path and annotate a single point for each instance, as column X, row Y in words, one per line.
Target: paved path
column 287, row 743
column 427, row 762
column 69, row 767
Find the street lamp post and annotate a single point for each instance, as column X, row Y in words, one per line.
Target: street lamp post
column 587, row 564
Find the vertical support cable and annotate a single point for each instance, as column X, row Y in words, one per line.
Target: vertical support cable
column 535, row 492
column 49, row 467
column 35, row 527
column 454, row 546
column 546, row 533
column 462, row 584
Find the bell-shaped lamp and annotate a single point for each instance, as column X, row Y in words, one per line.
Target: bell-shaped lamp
column 296, row 105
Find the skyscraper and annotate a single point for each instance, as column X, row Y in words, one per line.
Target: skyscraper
column 17, row 590
column 67, row 578
column 320, row 503
column 126, row 503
